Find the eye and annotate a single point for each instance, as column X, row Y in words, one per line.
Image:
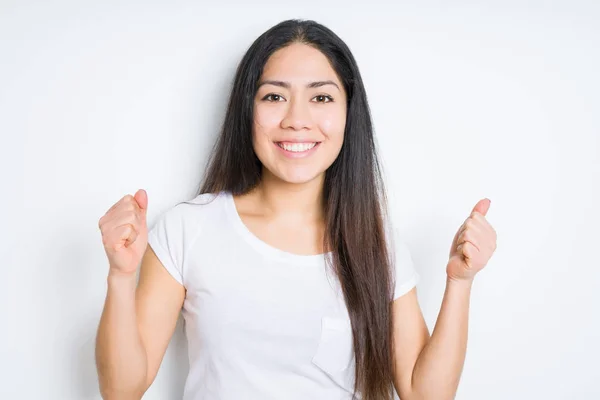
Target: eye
column 322, row 97
column 275, row 97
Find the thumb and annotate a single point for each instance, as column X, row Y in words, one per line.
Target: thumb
column 142, row 199
column 482, row 206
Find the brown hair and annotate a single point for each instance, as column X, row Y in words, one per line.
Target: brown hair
column 354, row 200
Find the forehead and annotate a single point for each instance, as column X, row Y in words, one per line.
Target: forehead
column 298, row 62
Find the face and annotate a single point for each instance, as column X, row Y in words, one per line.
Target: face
column 299, row 115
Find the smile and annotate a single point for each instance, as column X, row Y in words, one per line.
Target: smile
column 296, row 147
column 297, row 150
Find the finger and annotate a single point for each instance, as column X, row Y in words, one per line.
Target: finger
column 462, row 228
column 461, row 251
column 136, row 205
column 124, row 200
column 117, row 204
column 141, row 198
column 482, row 206
column 482, row 221
column 469, row 236
column 129, row 204
column 467, row 249
column 124, row 236
column 133, row 234
column 123, row 218
column 470, row 224
column 125, row 208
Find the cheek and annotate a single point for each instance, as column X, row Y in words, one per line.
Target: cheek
column 265, row 118
column 263, row 123
column 261, row 142
column 333, row 126
column 261, row 139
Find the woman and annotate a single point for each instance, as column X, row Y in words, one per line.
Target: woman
column 284, row 266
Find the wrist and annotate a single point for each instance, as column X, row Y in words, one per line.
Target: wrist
column 121, row 286
column 119, row 278
column 465, row 283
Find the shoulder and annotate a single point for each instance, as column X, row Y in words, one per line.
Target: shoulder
column 205, row 199
column 204, row 203
column 187, row 216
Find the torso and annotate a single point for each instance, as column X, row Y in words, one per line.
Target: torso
column 262, row 320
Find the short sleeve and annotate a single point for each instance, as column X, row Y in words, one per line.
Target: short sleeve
column 406, row 276
column 166, row 240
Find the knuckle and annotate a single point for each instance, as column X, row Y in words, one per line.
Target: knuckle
column 133, row 220
column 123, row 208
column 133, row 215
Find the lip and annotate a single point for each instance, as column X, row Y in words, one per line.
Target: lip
column 291, row 154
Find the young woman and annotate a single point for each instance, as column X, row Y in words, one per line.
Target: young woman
column 284, row 265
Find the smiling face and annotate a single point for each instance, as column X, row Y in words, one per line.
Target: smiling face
column 299, row 115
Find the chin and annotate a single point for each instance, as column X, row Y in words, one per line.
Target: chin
column 299, row 177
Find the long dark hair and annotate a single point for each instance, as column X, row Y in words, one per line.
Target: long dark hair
column 354, row 199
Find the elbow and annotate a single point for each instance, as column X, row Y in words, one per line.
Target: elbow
column 414, row 396
column 111, row 390
column 429, row 393
column 117, row 385
column 429, row 396
column 111, row 393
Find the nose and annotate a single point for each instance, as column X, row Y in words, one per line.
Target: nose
column 297, row 116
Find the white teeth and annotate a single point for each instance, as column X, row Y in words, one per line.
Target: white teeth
column 297, row 147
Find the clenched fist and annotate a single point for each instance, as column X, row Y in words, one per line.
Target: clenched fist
column 125, row 233
column 473, row 245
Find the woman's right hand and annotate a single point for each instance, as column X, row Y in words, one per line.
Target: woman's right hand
column 125, row 233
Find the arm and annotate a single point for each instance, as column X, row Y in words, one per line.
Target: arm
column 135, row 328
column 430, row 367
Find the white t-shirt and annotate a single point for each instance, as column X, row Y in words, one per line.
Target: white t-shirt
column 261, row 323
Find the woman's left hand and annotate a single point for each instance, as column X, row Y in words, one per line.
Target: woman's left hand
column 473, row 244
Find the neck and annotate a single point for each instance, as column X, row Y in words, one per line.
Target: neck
column 291, row 200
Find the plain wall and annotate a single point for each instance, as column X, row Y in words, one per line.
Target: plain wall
column 469, row 100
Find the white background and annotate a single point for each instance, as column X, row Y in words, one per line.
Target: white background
column 469, row 100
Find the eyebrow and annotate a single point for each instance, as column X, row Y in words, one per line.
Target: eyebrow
column 287, row 85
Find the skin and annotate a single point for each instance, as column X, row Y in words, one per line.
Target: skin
column 284, row 210
column 298, row 113
column 138, row 321
column 430, row 366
